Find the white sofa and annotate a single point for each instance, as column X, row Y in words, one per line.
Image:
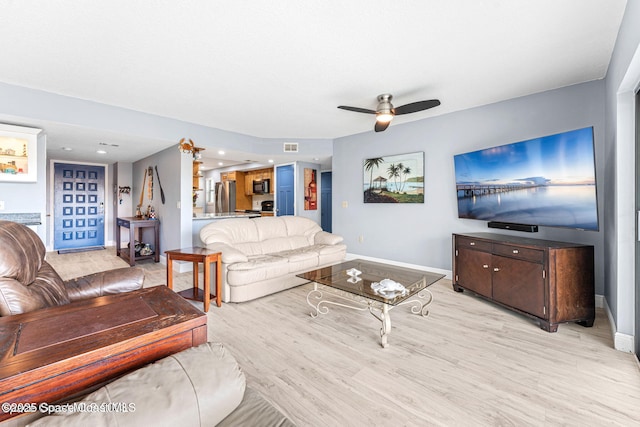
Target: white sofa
column 261, row 256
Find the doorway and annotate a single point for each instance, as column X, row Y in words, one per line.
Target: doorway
column 325, row 201
column 285, row 190
column 78, row 199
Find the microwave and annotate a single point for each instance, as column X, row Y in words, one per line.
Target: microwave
column 261, row 186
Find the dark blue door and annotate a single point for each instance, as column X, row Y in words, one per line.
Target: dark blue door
column 325, row 201
column 78, row 206
column 284, row 190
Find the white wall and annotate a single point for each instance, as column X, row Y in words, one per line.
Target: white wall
column 421, row 233
column 122, row 172
column 623, row 79
column 176, row 214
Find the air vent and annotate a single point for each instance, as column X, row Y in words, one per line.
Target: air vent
column 290, row 147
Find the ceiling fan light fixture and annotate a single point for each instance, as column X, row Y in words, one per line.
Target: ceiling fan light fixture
column 384, row 117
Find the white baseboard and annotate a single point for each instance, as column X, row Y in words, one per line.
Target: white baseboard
column 621, row 342
column 400, row 264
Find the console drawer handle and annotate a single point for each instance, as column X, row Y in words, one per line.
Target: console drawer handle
column 485, row 266
column 472, row 243
column 515, row 251
column 496, row 269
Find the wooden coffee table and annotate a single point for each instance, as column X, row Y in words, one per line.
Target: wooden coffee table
column 51, row 354
column 198, row 255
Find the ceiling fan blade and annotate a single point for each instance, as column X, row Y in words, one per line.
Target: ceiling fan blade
column 381, row 126
column 414, row 107
column 356, row 109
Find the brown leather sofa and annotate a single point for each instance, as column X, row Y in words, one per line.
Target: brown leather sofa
column 28, row 282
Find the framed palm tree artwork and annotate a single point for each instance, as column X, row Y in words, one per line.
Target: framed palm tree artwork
column 394, row 179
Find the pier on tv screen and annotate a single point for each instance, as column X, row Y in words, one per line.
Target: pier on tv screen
column 548, row 181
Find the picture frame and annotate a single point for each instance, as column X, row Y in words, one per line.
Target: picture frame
column 310, row 190
column 18, row 153
column 394, row 179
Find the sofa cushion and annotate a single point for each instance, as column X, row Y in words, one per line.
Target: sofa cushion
column 27, row 281
column 230, row 231
column 300, row 259
column 46, row 290
column 257, row 268
column 199, row 386
column 301, row 226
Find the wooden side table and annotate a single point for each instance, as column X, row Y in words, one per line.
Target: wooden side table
column 133, row 224
column 197, row 255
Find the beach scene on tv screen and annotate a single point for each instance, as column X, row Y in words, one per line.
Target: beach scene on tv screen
column 548, row 181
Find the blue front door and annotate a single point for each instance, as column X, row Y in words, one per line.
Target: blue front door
column 78, row 206
column 284, row 190
column 325, row 201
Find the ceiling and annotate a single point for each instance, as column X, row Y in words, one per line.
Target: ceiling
column 279, row 69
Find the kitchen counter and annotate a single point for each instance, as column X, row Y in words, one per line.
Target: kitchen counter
column 225, row 215
column 200, row 220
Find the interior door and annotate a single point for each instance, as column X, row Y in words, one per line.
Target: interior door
column 284, row 190
column 325, row 201
column 78, row 206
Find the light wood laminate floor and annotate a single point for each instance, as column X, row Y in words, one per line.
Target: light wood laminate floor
column 469, row 363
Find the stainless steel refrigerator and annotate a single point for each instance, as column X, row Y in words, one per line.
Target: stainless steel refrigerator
column 225, row 196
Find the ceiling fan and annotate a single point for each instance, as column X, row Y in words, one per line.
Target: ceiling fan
column 386, row 111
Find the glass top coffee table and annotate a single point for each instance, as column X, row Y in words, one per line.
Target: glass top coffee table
column 341, row 282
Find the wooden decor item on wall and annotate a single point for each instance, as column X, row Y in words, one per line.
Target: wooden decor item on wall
column 310, row 190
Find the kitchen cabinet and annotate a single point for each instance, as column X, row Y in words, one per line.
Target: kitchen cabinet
column 228, row 176
column 243, row 201
column 551, row 282
column 255, row 175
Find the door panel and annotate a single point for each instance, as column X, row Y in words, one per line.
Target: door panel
column 527, row 292
column 473, row 270
column 325, row 201
column 78, row 206
column 285, row 190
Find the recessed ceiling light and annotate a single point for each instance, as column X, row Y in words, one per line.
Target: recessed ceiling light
column 101, row 152
column 67, row 148
column 270, row 160
column 221, row 152
column 220, row 163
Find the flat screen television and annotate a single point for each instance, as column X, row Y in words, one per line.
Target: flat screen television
column 548, row 181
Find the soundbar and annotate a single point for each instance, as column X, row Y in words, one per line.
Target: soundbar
column 513, row 226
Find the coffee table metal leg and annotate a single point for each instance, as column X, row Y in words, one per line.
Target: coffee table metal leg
column 386, row 326
column 318, row 296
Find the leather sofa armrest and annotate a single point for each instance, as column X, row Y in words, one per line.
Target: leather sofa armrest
column 325, row 238
column 108, row 282
column 198, row 386
column 230, row 254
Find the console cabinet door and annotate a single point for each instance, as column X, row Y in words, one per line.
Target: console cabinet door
column 473, row 271
column 519, row 284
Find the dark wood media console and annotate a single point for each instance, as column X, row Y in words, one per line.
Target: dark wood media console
column 54, row 353
column 551, row 282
